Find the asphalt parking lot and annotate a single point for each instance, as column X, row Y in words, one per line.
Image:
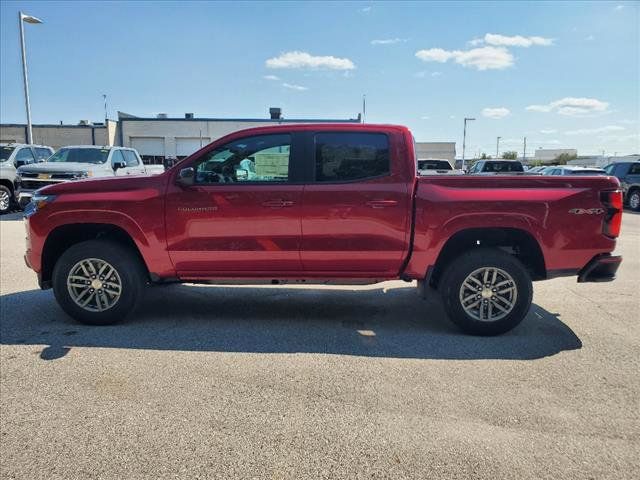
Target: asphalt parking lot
column 299, row 382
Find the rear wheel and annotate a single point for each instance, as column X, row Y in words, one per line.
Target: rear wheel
column 634, row 200
column 486, row 291
column 5, row 199
column 98, row 282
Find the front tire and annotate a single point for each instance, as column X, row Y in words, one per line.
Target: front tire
column 98, row 282
column 6, row 199
column 634, row 200
column 486, row 291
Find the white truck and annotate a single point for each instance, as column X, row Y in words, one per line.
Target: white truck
column 12, row 156
column 75, row 163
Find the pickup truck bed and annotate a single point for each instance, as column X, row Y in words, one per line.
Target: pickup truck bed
column 322, row 203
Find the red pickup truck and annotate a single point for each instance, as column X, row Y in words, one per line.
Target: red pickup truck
column 325, row 203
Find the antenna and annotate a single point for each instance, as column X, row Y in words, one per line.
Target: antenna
column 364, row 108
column 104, row 97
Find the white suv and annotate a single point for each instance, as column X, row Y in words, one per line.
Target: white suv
column 75, row 163
column 12, row 156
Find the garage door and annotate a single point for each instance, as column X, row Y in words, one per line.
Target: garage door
column 148, row 146
column 186, row 146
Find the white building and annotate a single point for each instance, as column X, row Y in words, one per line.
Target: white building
column 442, row 150
column 548, row 155
column 161, row 137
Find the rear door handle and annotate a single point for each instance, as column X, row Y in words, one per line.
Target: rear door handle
column 278, row 203
column 382, row 203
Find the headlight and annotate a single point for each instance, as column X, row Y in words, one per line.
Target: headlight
column 38, row 202
column 81, row 175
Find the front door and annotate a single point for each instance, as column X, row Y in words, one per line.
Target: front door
column 356, row 217
column 241, row 218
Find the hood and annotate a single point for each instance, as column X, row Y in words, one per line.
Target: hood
column 48, row 167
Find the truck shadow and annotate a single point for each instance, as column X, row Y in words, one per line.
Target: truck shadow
column 376, row 322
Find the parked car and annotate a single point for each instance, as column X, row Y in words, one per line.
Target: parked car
column 256, row 207
column 496, row 167
column 629, row 175
column 433, row 166
column 12, row 156
column 74, row 163
column 574, row 170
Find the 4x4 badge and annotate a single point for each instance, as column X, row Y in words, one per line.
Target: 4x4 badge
column 587, row 211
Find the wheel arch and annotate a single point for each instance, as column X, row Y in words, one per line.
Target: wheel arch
column 515, row 241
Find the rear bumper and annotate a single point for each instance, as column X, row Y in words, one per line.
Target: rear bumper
column 601, row 268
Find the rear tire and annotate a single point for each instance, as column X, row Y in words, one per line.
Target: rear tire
column 486, row 291
column 6, row 199
column 634, row 200
column 98, row 282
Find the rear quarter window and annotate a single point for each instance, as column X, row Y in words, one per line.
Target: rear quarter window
column 347, row 156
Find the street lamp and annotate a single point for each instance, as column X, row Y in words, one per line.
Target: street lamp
column 464, row 138
column 22, row 17
column 498, row 147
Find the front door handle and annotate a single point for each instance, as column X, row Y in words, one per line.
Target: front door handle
column 277, row 203
column 382, row 203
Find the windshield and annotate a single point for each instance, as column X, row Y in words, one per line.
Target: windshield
column 503, row 167
column 5, row 153
column 587, row 172
column 80, row 155
column 434, row 165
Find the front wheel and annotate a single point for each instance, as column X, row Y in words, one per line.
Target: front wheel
column 634, row 200
column 486, row 291
column 5, row 199
column 98, row 282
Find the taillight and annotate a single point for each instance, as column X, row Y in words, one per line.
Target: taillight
column 612, row 200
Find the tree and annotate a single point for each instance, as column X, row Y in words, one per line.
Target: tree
column 563, row 158
column 484, row 156
column 510, row 155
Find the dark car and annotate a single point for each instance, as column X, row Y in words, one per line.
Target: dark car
column 629, row 175
column 496, row 166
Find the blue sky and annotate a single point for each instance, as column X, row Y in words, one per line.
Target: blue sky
column 562, row 74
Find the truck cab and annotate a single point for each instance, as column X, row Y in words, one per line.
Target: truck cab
column 629, row 175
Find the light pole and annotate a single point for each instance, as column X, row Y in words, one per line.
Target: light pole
column 498, row 147
column 464, row 138
column 22, row 17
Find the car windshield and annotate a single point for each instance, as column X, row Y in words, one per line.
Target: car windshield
column 503, row 167
column 592, row 171
column 434, row 165
column 5, row 153
column 80, row 155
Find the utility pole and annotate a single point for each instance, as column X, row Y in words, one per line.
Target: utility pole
column 524, row 150
column 464, row 138
column 498, row 147
column 104, row 97
column 364, row 108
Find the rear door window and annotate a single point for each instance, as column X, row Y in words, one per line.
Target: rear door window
column 349, row 156
column 25, row 155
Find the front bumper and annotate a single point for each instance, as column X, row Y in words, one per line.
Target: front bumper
column 601, row 268
column 24, row 197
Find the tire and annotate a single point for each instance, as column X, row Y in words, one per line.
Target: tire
column 6, row 199
column 493, row 316
column 634, row 200
column 83, row 262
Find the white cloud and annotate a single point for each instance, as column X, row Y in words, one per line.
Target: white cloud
column 485, row 58
column 425, row 117
column 589, row 38
column 290, row 86
column 593, row 131
column 572, row 106
column 297, row 59
column 452, row 117
column 514, row 41
column 495, row 112
column 548, row 131
column 271, row 77
column 436, row 74
column 365, row 9
column 618, row 8
column 388, row 41
column 629, row 122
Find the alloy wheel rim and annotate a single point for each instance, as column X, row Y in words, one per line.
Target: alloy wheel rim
column 488, row 294
column 94, row 285
column 4, row 200
column 634, row 201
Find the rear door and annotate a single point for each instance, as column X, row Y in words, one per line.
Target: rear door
column 356, row 209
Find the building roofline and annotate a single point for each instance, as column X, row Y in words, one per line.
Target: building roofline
column 50, row 125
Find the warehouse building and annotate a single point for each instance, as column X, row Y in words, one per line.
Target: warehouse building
column 56, row 136
column 440, row 150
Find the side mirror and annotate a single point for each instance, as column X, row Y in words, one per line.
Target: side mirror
column 118, row 164
column 186, row 177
